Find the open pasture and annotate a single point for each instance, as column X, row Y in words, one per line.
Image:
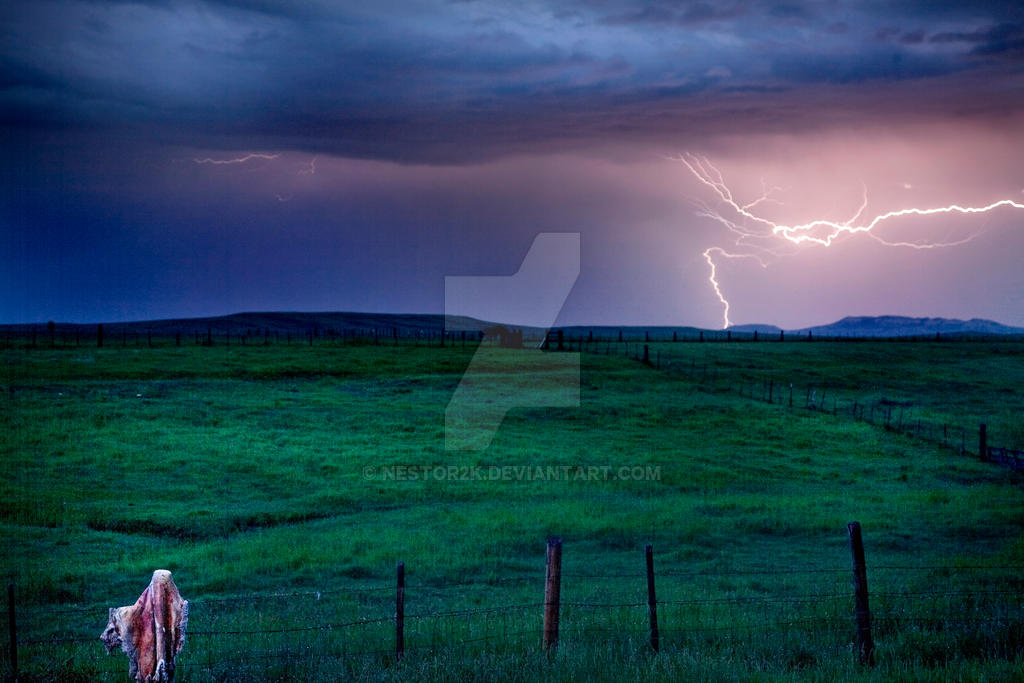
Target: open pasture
column 283, row 484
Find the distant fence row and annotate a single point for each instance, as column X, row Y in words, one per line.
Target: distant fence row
column 802, row 616
column 114, row 335
column 893, row 415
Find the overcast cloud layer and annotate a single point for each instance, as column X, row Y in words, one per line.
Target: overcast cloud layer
column 408, row 140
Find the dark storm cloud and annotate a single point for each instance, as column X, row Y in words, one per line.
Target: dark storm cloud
column 668, row 13
column 443, row 81
column 994, row 40
column 506, row 118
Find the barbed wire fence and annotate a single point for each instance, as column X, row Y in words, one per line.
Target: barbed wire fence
column 789, row 618
column 901, row 415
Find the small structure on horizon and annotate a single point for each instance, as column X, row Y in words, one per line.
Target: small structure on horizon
column 505, row 337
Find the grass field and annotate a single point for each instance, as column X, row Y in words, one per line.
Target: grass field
column 282, row 485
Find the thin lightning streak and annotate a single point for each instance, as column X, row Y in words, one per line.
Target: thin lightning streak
column 714, row 283
column 923, row 245
column 713, row 277
column 237, row 160
column 308, row 168
column 797, row 233
column 753, row 231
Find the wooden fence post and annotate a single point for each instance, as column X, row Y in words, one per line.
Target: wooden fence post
column 865, row 644
column 983, row 441
column 552, row 592
column 13, row 628
column 652, row 602
column 400, row 614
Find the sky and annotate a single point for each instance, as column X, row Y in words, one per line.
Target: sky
column 175, row 159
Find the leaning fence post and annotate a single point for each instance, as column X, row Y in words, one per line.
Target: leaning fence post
column 652, row 602
column 983, row 441
column 865, row 644
column 552, row 592
column 400, row 613
column 12, row 626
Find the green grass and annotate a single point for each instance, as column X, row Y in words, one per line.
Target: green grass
column 952, row 384
column 262, row 477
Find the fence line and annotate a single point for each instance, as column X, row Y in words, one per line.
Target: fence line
column 999, row 612
column 115, row 335
column 782, row 393
column 1013, row 459
column 893, row 415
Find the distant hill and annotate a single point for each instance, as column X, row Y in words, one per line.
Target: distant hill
column 276, row 323
column 902, row 326
column 426, row 324
column 631, row 332
column 760, row 329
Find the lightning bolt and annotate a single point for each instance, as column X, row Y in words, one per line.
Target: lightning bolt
column 713, row 277
column 765, row 238
column 308, row 169
column 311, row 169
column 236, row 160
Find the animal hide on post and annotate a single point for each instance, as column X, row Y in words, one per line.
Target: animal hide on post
column 151, row 632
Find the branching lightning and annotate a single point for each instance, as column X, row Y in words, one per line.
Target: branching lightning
column 761, row 238
column 311, row 169
column 235, row 160
column 308, row 168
